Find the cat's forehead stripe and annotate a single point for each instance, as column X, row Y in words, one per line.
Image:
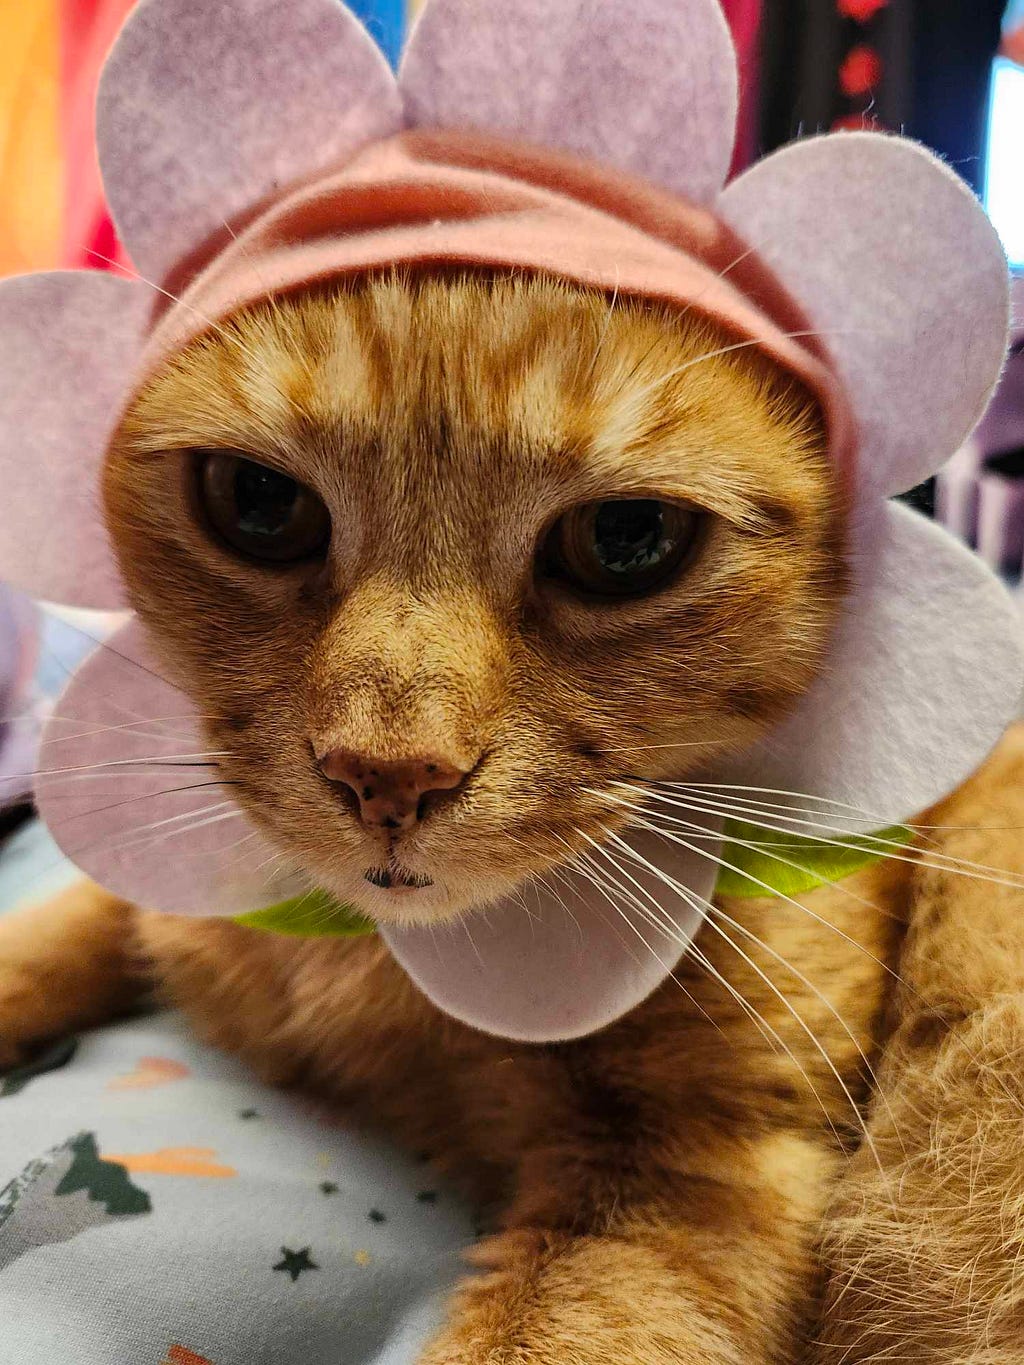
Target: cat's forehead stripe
column 542, row 386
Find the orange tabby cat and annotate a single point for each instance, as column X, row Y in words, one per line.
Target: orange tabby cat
column 716, row 1177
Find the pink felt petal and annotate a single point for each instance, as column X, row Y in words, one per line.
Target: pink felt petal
column 565, row 959
column 19, row 747
column 70, row 344
column 894, row 260
column 1017, row 309
column 19, row 646
column 207, row 107
column 648, row 87
column 128, row 792
column 924, row 675
column 10, row 655
column 19, row 727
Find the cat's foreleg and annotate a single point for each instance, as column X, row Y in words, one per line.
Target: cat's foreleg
column 66, row 964
column 709, row 1267
column 924, row 1243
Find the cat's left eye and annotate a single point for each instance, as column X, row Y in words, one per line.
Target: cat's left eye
column 259, row 511
column 624, row 547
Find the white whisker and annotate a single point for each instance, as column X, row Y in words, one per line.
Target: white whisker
column 934, row 860
column 706, row 905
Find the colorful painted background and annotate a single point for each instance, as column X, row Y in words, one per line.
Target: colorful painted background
column 51, row 51
column 51, row 205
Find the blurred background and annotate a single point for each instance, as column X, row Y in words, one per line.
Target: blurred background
column 947, row 72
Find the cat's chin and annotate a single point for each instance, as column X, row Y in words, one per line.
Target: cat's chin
column 408, row 906
column 405, row 905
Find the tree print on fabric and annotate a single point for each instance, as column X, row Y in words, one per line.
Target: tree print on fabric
column 62, row 1194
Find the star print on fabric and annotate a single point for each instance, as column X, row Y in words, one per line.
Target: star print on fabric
column 248, row 1113
column 427, row 1196
column 328, row 1187
column 375, row 1216
column 295, row 1262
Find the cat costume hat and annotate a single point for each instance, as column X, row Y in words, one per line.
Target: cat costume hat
column 250, row 148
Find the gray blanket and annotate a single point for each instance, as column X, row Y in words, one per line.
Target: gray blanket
column 159, row 1207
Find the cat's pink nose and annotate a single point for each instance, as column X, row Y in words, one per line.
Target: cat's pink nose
column 391, row 795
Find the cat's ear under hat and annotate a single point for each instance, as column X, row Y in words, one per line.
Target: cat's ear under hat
column 647, row 86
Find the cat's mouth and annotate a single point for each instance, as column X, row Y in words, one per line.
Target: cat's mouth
column 394, row 877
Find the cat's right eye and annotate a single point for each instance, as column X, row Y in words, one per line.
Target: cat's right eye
column 258, row 511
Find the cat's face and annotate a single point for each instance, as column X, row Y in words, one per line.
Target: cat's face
column 499, row 547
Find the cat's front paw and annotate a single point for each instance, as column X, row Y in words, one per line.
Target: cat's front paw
column 547, row 1299
column 63, row 966
column 20, row 1023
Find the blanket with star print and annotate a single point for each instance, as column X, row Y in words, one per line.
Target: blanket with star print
column 159, row 1207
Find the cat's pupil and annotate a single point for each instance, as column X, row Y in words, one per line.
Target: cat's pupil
column 259, row 511
column 629, row 535
column 265, row 500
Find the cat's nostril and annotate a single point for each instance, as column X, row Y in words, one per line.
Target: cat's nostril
column 391, row 795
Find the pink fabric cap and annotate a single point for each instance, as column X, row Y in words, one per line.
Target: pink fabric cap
column 459, row 201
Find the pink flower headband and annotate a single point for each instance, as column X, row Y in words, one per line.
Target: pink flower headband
column 586, row 141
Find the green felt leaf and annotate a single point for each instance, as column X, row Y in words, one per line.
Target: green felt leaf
column 314, row 915
column 768, row 862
